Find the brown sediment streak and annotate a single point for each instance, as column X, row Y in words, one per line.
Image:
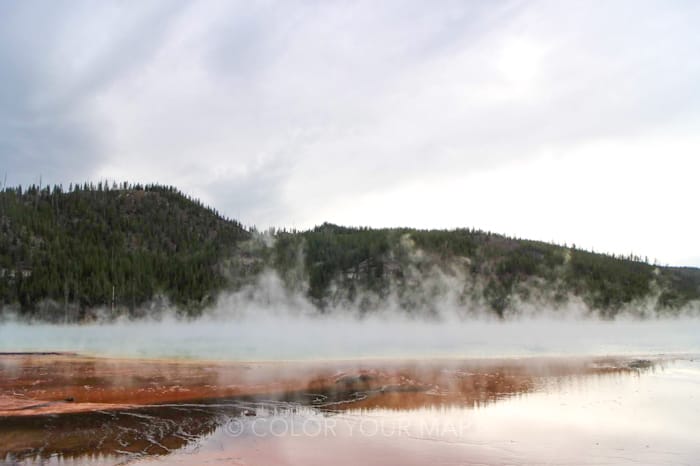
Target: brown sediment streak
column 32, row 384
column 17, row 406
column 39, row 384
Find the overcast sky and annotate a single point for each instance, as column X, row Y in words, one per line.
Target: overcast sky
column 571, row 121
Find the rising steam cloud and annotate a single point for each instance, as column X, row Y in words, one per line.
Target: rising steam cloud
column 266, row 321
column 272, row 318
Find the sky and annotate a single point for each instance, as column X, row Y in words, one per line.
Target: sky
column 574, row 122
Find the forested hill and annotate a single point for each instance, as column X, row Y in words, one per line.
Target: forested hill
column 129, row 249
column 109, row 246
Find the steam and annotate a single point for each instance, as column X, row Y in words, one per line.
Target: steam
column 266, row 321
column 300, row 338
column 435, row 311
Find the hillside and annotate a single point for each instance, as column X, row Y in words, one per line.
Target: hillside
column 65, row 252
column 67, row 255
column 474, row 270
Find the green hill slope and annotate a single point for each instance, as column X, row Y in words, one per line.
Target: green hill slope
column 473, row 270
column 62, row 253
column 119, row 249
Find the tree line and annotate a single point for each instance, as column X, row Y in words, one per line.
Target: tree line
column 120, row 248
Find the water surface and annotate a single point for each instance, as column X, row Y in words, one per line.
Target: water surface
column 557, row 410
column 286, row 338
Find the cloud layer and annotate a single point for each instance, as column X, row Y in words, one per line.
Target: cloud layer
column 559, row 121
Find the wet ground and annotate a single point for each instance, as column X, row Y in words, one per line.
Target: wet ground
column 70, row 409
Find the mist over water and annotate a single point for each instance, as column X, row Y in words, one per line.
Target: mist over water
column 266, row 321
column 284, row 337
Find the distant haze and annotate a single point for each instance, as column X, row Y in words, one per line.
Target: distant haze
column 568, row 121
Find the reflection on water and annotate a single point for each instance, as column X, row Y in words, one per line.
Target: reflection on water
column 493, row 412
column 82, row 437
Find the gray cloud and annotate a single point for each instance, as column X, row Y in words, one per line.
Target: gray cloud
column 54, row 62
column 294, row 112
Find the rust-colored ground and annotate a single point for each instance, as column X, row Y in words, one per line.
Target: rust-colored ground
column 75, row 407
column 39, row 384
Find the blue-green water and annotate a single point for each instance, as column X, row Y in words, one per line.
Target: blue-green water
column 288, row 338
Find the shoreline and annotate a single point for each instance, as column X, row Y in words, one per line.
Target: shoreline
column 666, row 355
column 51, row 383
